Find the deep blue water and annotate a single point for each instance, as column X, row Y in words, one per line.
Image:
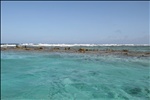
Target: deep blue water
column 73, row 76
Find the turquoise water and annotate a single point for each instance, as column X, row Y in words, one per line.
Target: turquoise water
column 73, row 76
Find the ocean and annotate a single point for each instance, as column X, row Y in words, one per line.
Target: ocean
column 30, row 75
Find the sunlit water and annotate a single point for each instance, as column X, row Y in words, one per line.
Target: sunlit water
column 73, row 76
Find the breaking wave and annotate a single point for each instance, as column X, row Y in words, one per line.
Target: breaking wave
column 71, row 45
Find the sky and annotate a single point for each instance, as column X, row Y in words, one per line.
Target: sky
column 99, row 22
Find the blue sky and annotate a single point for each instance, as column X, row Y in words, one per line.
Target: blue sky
column 100, row 22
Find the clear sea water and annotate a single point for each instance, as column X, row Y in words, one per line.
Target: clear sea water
column 73, row 76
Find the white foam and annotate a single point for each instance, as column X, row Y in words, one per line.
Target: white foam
column 8, row 45
column 71, row 45
column 64, row 45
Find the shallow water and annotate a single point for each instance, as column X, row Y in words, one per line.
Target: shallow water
column 73, row 76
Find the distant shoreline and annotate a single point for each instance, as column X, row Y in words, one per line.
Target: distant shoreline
column 68, row 44
column 102, row 50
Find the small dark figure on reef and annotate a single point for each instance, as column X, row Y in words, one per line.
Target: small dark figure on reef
column 125, row 50
column 86, row 50
column 40, row 48
column 17, row 46
column 67, row 48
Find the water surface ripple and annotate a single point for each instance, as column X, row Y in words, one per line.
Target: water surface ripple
column 73, row 76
